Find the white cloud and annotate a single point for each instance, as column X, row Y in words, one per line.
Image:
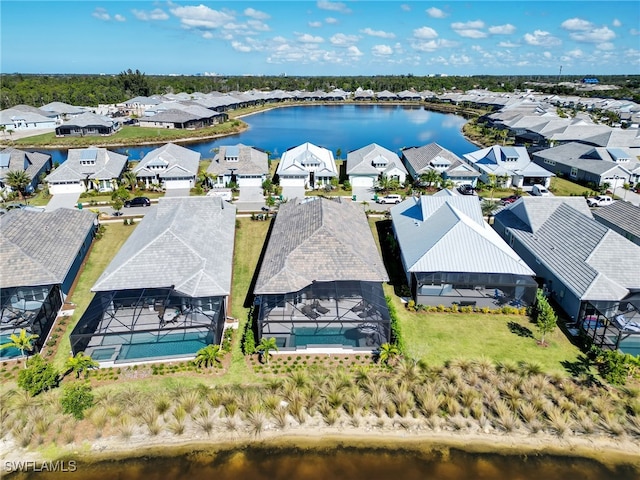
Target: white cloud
column 157, row 14
column 605, row 46
column 547, row 54
column 306, row 38
column 331, row 20
column 258, row 26
column 432, row 45
column 508, row 45
column 634, row 32
column 434, row 12
column 101, row 14
column 471, row 33
column 343, row 40
column 119, row 18
column 576, row 53
column 596, row 35
column 405, row 7
column 207, row 35
column 378, row 33
column 540, row 38
column 474, row 24
column 425, row 32
column 333, row 6
column 576, row 24
column 240, row 47
column 354, row 52
column 506, row 29
column 257, row 14
column 201, row 17
column 616, row 23
column 315, row 24
column 381, row 50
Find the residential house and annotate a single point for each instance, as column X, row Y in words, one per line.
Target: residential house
column 25, row 117
column 367, row 164
column 585, row 164
column 91, row 168
column 320, row 283
column 622, row 217
column 306, row 166
column 139, row 105
column 433, row 157
column 170, row 166
column 245, row 166
column 183, row 117
column 511, row 167
column 452, row 256
column 587, row 268
column 34, row 164
column 165, row 293
column 64, row 111
column 41, row 256
column 88, row 124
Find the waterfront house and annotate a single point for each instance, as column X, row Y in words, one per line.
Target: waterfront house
column 42, row 253
column 306, row 166
column 243, row 165
column 25, row 117
column 165, row 293
column 170, row 166
column 452, row 256
column 433, row 157
column 319, row 285
column 366, row 165
column 180, row 116
column 88, row 124
column 34, row 164
column 91, row 168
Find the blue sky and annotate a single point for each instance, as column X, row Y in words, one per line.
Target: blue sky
column 321, row 37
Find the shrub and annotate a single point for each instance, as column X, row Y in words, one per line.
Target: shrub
column 396, row 333
column 227, row 340
column 76, row 398
column 249, row 340
column 38, row 377
column 440, row 308
column 411, row 306
column 616, row 367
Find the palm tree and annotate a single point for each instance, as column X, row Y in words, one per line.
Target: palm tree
column 208, row 355
column 430, row 177
column 80, row 363
column 23, row 342
column 388, row 353
column 3, row 129
column 18, row 180
column 130, row 179
column 265, row 347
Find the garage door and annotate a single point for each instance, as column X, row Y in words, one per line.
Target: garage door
column 66, row 188
column 615, row 182
column 361, row 181
column 250, row 182
column 182, row 184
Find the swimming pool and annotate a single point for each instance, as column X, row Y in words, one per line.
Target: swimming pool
column 169, row 345
column 323, row 336
column 630, row 345
column 9, row 352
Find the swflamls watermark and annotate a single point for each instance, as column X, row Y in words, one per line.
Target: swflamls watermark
column 65, row 466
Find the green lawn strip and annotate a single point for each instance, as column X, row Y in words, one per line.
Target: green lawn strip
column 561, row 187
column 439, row 337
column 101, row 254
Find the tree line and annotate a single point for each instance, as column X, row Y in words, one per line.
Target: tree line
column 91, row 90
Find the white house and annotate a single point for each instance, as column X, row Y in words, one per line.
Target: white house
column 243, row 165
column 85, row 169
column 170, row 166
column 306, row 166
column 365, row 166
column 24, row 117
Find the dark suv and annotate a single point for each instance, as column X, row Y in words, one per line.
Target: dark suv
column 466, row 189
column 138, row 202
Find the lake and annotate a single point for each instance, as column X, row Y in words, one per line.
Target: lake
column 344, row 127
column 343, row 462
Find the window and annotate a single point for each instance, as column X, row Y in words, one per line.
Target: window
column 549, row 162
column 574, row 172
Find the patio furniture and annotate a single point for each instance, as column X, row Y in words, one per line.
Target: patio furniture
column 358, row 307
column 320, row 308
column 309, row 312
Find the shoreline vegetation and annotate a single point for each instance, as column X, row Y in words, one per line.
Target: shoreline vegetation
column 130, row 136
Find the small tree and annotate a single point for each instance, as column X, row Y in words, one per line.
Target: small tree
column 388, row 353
column 546, row 319
column 80, row 363
column 76, row 398
column 117, row 205
column 39, row 376
column 18, row 180
column 265, row 347
column 208, row 355
column 249, row 340
column 23, row 342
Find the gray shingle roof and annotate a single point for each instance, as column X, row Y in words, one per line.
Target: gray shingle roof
column 184, row 242
column 108, row 165
column 420, row 157
column 172, row 155
column 593, row 261
column 448, row 234
column 251, row 161
column 89, row 119
column 624, row 215
column 39, row 248
column 318, row 240
column 360, row 161
column 29, row 162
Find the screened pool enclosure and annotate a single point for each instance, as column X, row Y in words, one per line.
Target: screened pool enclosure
column 346, row 314
column 147, row 324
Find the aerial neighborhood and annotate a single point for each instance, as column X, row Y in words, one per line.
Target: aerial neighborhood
column 319, row 285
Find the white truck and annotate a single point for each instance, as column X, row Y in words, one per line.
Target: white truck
column 600, row 201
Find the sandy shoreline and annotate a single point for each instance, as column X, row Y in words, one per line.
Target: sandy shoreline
column 605, row 450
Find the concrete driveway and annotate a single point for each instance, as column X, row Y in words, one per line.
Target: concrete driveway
column 363, row 194
column 177, row 192
column 629, row 196
column 63, row 200
column 251, row 194
column 293, row 192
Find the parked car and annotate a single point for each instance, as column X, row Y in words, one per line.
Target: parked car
column 540, row 191
column 600, row 201
column 14, row 205
column 138, row 202
column 509, row 199
column 466, row 189
column 390, row 199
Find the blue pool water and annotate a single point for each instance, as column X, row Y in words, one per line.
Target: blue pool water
column 630, row 345
column 322, row 336
column 9, row 352
column 145, row 346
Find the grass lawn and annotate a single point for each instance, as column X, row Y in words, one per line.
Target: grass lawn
column 561, row 187
column 439, row 337
column 101, row 254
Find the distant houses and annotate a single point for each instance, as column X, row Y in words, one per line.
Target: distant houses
column 88, row 124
